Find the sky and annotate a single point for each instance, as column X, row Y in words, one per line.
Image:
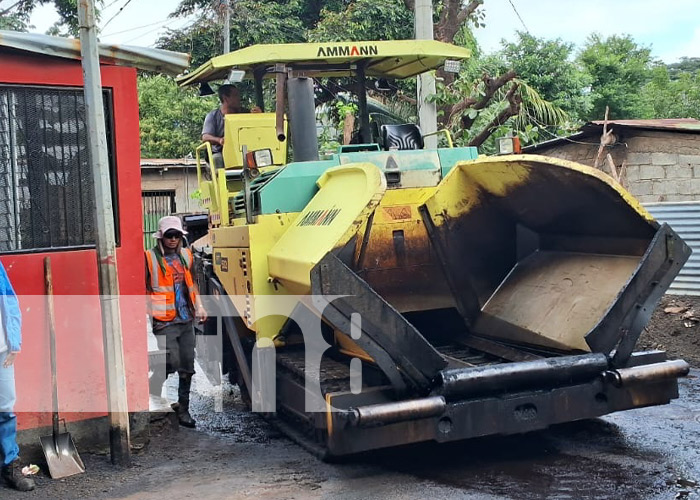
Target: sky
column 672, row 31
column 671, row 28
column 140, row 22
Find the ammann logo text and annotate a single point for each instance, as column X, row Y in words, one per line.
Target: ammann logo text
column 319, row 217
column 347, row 50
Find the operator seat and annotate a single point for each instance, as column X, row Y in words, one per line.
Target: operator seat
column 404, row 136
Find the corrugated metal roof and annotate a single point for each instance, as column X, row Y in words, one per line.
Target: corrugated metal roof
column 680, row 124
column 167, row 162
column 594, row 128
column 163, row 61
column 684, row 218
column 577, row 137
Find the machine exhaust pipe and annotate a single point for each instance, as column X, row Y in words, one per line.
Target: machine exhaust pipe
column 279, row 96
column 550, row 372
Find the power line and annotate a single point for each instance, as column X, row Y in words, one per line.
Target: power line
column 115, row 15
column 151, row 31
column 110, row 4
column 518, row 14
column 137, row 27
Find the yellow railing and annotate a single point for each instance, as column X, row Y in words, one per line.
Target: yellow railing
column 448, row 136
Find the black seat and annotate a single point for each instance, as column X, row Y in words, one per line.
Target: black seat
column 404, row 136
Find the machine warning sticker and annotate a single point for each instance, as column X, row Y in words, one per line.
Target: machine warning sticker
column 224, row 264
column 399, row 212
column 217, row 258
column 347, row 50
column 319, row 217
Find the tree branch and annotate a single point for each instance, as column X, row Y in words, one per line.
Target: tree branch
column 7, row 10
column 492, row 86
column 514, row 102
column 468, row 10
column 452, row 17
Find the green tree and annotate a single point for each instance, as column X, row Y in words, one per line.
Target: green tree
column 482, row 98
column 619, row 68
column 685, row 65
column 16, row 15
column 252, row 22
column 664, row 97
column 170, row 117
column 548, row 66
column 365, row 20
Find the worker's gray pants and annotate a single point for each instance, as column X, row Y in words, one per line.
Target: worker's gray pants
column 178, row 340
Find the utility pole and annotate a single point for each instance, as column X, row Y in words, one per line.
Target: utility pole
column 227, row 26
column 427, row 111
column 119, row 439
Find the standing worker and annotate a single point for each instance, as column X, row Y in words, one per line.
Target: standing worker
column 174, row 304
column 10, row 344
column 213, row 128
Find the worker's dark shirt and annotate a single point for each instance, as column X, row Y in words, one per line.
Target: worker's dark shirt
column 214, row 125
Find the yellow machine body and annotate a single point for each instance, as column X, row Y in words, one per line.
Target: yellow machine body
column 254, row 131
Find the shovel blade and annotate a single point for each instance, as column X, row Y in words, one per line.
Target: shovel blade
column 61, row 456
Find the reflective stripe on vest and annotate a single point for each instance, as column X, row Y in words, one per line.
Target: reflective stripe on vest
column 163, row 287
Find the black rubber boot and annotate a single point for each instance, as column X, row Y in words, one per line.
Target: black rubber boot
column 12, row 474
column 183, row 399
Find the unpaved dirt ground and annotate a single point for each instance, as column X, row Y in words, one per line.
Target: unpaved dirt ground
column 650, row 453
column 675, row 328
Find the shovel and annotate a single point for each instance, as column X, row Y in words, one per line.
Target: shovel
column 59, row 449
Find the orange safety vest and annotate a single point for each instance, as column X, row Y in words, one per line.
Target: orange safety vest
column 162, row 285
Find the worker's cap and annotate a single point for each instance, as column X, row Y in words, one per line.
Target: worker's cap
column 167, row 223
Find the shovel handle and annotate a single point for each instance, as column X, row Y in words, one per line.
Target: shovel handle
column 48, row 279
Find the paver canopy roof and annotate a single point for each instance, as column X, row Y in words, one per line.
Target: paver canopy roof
column 382, row 59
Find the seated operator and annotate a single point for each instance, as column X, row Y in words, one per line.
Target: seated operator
column 213, row 128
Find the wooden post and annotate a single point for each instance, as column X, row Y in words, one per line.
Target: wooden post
column 105, row 240
column 606, row 139
column 348, row 127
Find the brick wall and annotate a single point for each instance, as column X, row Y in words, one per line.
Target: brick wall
column 661, row 166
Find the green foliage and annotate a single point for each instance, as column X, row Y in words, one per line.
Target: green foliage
column 537, row 113
column 558, row 91
column 365, row 20
column 686, row 65
column 170, row 118
column 16, row 16
column 547, row 65
column 252, row 22
column 664, row 97
column 618, row 68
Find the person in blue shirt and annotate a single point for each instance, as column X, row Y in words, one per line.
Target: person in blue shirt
column 10, row 345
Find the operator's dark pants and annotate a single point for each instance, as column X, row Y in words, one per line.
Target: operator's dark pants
column 178, row 341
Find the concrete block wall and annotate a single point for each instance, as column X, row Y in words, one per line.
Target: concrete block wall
column 182, row 181
column 661, row 166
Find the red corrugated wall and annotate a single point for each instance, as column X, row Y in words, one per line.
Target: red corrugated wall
column 81, row 376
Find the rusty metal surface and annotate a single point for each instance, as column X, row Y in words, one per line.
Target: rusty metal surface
column 389, row 413
column 384, row 330
column 163, row 61
column 679, row 124
column 651, row 373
